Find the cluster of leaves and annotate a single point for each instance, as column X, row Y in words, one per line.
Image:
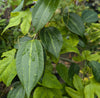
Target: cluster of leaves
column 41, row 34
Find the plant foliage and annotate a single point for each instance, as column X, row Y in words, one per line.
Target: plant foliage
column 34, row 42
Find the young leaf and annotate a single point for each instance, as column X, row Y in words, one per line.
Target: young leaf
column 89, row 16
column 96, row 70
column 92, row 89
column 17, row 91
column 14, row 21
column 78, row 84
column 42, row 12
column 8, row 67
column 87, row 55
column 42, row 92
column 50, row 81
column 70, row 44
column 52, row 40
column 74, row 23
column 25, row 25
column 63, row 72
column 30, row 64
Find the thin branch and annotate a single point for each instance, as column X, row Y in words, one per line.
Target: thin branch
column 65, row 59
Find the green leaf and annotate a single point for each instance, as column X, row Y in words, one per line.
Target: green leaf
column 19, row 8
column 13, row 4
column 65, row 97
column 74, row 69
column 21, row 41
column 52, row 40
column 87, row 55
column 42, row 12
column 27, row 2
column 48, row 65
column 63, row 72
column 8, row 67
column 89, row 16
column 92, row 89
column 74, row 23
column 26, row 24
column 70, row 44
column 14, row 21
column 16, row 18
column 78, row 84
column 42, row 92
column 17, row 91
column 73, row 93
column 50, row 81
column 30, row 64
column 96, row 70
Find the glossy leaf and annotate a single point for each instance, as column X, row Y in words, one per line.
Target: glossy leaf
column 30, row 64
column 63, row 72
column 89, row 16
column 92, row 89
column 50, row 81
column 8, row 67
column 96, row 70
column 17, row 91
column 42, row 12
column 78, row 84
column 42, row 92
column 52, row 40
column 74, row 23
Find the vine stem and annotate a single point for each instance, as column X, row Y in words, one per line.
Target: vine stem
column 65, row 59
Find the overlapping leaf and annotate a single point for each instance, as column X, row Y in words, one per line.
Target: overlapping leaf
column 42, row 12
column 96, row 70
column 19, row 8
column 50, row 81
column 87, row 55
column 89, row 16
column 78, row 93
column 16, row 20
column 70, row 44
column 63, row 72
column 42, row 92
column 8, row 67
column 30, row 64
column 17, row 91
column 74, row 69
column 25, row 25
column 52, row 40
column 92, row 89
column 74, row 23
